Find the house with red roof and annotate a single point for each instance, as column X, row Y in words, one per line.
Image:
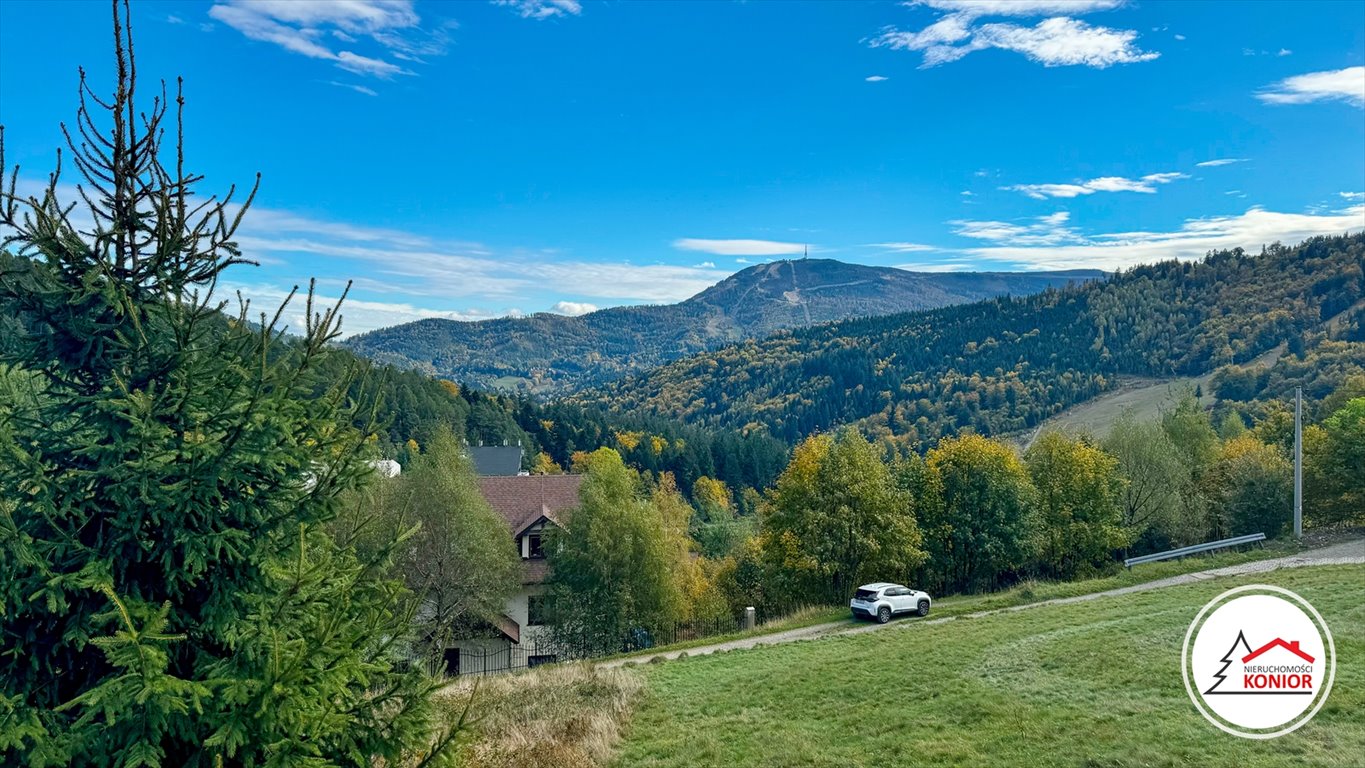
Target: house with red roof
column 531, row 505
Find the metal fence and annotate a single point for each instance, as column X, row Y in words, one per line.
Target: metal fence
column 1195, row 549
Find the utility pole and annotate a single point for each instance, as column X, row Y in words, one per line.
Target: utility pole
column 1298, row 462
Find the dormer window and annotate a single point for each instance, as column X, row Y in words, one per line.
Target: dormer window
column 534, row 546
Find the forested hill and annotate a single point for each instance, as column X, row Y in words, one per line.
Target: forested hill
column 548, row 353
column 407, row 408
column 1002, row 365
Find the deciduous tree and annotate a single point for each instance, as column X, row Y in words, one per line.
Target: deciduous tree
column 1334, row 472
column 837, row 517
column 1080, row 523
column 1251, row 486
column 984, row 518
column 455, row 555
column 611, row 568
column 1153, row 478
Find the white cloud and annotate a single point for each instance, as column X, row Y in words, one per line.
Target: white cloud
column 950, row 29
column 573, row 308
column 738, row 247
column 652, row 283
column 275, row 222
column 364, row 65
column 937, row 266
column 1346, row 85
column 1055, row 41
column 967, row 193
column 446, row 270
column 173, row 19
column 1043, row 230
column 707, row 265
column 1284, row 52
column 414, row 265
column 354, row 87
column 1146, row 184
column 357, row 315
column 542, row 9
column 1194, row 239
column 876, row 79
column 302, row 27
column 903, row 247
column 1179, row 37
column 1354, row 197
column 1221, row 161
column 425, row 276
column 1061, row 42
column 974, row 8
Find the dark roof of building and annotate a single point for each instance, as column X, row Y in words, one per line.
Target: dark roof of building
column 524, row 499
column 496, row 460
column 507, row 626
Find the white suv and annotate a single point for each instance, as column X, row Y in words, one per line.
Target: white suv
column 881, row 600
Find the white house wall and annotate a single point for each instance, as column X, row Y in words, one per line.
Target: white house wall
column 484, row 655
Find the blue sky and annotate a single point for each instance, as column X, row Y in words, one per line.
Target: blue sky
column 476, row 159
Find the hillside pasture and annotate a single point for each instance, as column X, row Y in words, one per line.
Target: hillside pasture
column 1095, row 683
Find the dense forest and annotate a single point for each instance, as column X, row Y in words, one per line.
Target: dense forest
column 415, row 407
column 554, row 354
column 1006, row 364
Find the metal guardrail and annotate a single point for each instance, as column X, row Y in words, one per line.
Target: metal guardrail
column 1194, row 549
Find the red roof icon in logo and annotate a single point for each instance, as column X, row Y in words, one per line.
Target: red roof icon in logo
column 1278, row 643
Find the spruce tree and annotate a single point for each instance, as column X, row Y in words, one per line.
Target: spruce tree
column 167, row 593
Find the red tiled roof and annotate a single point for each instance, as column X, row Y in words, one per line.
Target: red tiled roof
column 522, row 499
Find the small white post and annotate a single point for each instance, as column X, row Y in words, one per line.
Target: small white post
column 750, row 618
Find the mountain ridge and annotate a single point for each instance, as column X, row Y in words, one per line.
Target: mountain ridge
column 1005, row 365
column 546, row 353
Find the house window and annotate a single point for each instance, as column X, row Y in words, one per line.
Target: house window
column 535, row 546
column 537, row 611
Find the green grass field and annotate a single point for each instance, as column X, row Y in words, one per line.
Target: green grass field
column 1023, row 594
column 1088, row 684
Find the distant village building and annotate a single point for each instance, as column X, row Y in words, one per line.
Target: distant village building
column 531, row 505
column 496, row 460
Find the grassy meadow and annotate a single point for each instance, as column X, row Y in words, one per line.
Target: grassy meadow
column 1096, row 683
column 1025, row 593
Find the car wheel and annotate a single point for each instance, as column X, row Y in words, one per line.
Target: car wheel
column 923, row 608
column 883, row 615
